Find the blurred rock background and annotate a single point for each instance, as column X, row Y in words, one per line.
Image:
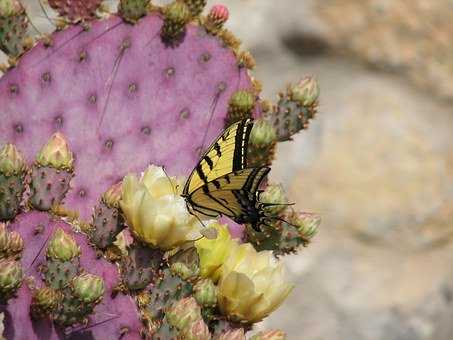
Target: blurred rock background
column 377, row 163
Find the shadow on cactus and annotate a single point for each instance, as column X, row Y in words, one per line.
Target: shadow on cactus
column 102, row 122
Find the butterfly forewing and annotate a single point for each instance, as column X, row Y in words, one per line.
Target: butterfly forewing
column 226, row 155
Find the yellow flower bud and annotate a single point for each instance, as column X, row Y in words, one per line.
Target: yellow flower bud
column 252, row 285
column 155, row 211
column 56, row 153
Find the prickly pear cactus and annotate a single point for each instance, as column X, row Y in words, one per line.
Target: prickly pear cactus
column 84, row 252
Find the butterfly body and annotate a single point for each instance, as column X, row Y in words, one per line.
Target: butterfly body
column 221, row 183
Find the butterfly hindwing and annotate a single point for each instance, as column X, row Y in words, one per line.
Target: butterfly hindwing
column 226, row 155
column 232, row 195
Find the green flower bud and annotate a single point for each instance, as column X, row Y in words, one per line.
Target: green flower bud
column 10, row 8
column 306, row 223
column 11, row 161
column 242, row 101
column 62, row 246
column 197, row 330
column 177, row 12
column 10, row 277
column 15, row 243
column 233, row 334
column 56, row 153
column 183, row 312
column 4, row 239
column 263, row 133
column 306, row 92
column 186, row 264
column 274, row 334
column 112, row 197
column 274, row 194
column 44, row 301
column 205, row 292
column 88, row 288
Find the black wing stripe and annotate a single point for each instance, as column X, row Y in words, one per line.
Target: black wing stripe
column 209, row 162
column 241, row 144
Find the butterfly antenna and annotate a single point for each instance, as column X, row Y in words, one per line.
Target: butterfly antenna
column 211, row 116
column 45, row 13
column 169, row 180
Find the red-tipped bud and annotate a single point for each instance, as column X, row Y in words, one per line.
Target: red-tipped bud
column 219, row 14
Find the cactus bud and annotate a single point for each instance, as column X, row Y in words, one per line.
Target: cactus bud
column 240, row 106
column 132, row 10
column 197, row 330
column 112, row 196
column 274, row 334
column 9, row 8
column 177, row 15
column 183, row 312
column 62, row 246
column 233, row 334
column 56, row 153
column 274, row 194
column 306, row 92
column 205, row 292
column 15, row 243
column 88, row 288
column 4, row 240
column 186, row 264
column 217, row 16
column 10, row 278
column 263, row 133
column 11, row 161
column 195, row 6
column 306, row 223
column 44, row 301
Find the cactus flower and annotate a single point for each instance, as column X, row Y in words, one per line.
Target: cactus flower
column 205, row 292
column 306, row 92
column 10, row 277
column 274, row 194
column 197, row 330
column 56, row 153
column 11, row 161
column 252, row 285
column 183, row 312
column 155, row 211
column 62, row 246
column 213, row 253
column 88, row 288
column 274, row 334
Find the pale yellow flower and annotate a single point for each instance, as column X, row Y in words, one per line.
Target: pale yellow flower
column 154, row 210
column 252, row 285
column 213, row 253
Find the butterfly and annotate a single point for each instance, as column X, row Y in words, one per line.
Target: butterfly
column 221, row 183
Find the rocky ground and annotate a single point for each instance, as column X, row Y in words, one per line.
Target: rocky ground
column 377, row 164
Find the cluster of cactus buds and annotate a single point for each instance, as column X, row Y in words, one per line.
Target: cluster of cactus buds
column 96, row 241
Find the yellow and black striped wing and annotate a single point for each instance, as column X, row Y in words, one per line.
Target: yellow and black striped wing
column 226, row 155
column 232, row 195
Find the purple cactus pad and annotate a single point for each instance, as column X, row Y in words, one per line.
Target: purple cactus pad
column 122, row 98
